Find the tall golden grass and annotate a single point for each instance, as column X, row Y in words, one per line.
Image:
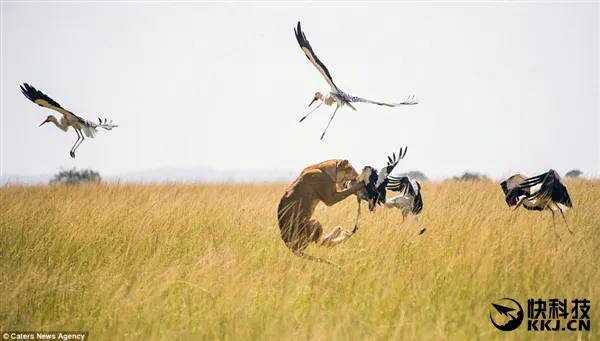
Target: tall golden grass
column 196, row 262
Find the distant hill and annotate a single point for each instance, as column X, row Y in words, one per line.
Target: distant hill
column 191, row 174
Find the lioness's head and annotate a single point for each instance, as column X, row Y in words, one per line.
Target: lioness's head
column 344, row 172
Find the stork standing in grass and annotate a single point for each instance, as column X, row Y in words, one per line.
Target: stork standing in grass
column 410, row 201
column 335, row 95
column 81, row 126
column 541, row 192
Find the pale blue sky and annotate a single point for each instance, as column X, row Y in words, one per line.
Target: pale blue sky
column 503, row 87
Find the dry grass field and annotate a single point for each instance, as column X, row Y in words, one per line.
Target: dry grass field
column 204, row 262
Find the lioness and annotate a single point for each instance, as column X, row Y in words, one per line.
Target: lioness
column 316, row 183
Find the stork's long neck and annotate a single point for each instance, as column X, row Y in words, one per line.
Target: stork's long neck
column 62, row 125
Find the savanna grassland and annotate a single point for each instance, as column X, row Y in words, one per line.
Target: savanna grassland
column 197, row 262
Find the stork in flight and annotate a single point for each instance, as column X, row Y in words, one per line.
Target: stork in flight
column 541, row 192
column 335, row 95
column 81, row 126
column 410, row 201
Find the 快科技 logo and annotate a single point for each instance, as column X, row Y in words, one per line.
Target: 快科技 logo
column 508, row 314
column 542, row 315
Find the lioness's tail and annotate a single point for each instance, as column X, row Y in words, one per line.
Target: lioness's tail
column 316, row 259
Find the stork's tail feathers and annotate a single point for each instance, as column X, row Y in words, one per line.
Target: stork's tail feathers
column 89, row 131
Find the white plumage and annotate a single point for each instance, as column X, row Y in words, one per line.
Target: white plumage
column 410, row 201
column 403, row 202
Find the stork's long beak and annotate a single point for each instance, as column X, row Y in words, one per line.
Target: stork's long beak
column 46, row 121
column 313, row 101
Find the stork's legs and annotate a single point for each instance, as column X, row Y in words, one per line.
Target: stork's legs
column 77, row 145
column 357, row 216
column 565, row 219
column 331, row 119
column 415, row 218
column 317, row 107
column 554, row 223
column 79, row 136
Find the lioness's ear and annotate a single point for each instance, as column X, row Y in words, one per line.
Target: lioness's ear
column 344, row 163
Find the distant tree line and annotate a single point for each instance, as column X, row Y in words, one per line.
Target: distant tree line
column 471, row 176
column 575, row 173
column 75, row 177
column 414, row 175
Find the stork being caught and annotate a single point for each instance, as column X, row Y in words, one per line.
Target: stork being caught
column 410, row 201
column 541, row 192
column 335, row 95
column 374, row 192
column 81, row 126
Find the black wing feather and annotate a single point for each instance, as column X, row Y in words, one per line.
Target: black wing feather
column 384, row 173
column 392, row 163
column 303, row 42
column 398, row 184
column 551, row 186
column 34, row 94
column 504, row 187
column 418, row 203
column 557, row 190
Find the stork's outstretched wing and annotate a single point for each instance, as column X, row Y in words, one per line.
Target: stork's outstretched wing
column 551, row 186
column 43, row 100
column 387, row 170
column 382, row 176
column 410, row 100
column 400, row 184
column 310, row 54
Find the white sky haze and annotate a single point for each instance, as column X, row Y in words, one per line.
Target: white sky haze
column 503, row 87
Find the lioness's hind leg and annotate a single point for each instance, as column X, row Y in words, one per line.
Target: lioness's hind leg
column 327, row 240
column 337, row 236
column 298, row 237
column 345, row 235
